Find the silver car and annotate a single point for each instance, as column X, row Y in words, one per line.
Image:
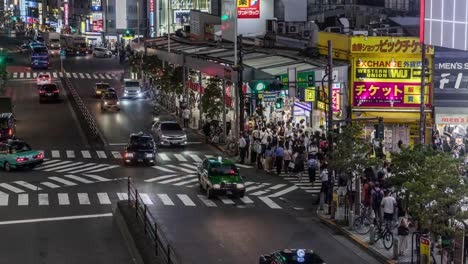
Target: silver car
column 102, row 53
column 169, row 133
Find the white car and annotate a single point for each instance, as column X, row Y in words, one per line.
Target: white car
column 132, row 88
column 43, row 78
column 102, row 53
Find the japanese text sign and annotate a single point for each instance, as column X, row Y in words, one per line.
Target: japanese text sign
column 309, row 95
column 336, row 100
column 389, row 94
column 401, row 45
column 425, row 250
column 303, row 79
column 248, row 8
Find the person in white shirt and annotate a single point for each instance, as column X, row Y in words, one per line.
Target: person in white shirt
column 242, row 148
column 388, row 205
column 186, row 116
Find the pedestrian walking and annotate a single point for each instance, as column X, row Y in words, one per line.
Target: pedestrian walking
column 324, row 187
column 403, row 233
column 242, row 148
column 268, row 159
column 388, row 205
column 287, row 157
column 186, row 116
column 279, row 155
column 377, row 196
column 312, row 165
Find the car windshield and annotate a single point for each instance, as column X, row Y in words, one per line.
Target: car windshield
column 110, row 96
column 102, row 86
column 224, row 169
column 132, row 84
column 141, row 142
column 49, row 88
column 170, row 127
column 17, row 147
column 3, row 123
column 44, row 76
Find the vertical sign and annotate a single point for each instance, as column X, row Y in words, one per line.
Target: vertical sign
column 65, row 10
column 151, row 11
column 248, row 8
column 292, row 82
column 425, row 250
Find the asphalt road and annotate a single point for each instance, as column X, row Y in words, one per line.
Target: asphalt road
column 77, row 180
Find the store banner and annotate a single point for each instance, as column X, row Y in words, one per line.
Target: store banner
column 248, row 8
column 389, row 94
column 451, row 80
column 401, row 45
column 303, row 79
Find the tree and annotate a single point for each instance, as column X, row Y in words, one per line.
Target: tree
column 433, row 189
column 177, row 79
column 212, row 103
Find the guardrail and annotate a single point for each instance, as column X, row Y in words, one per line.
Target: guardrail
column 90, row 122
column 162, row 247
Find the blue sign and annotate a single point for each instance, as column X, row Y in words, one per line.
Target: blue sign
column 96, row 5
column 303, row 106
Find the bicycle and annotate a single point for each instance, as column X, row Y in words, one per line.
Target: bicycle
column 385, row 234
column 363, row 222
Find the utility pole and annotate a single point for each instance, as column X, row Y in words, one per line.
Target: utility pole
column 240, row 83
column 330, row 95
column 422, row 123
column 138, row 20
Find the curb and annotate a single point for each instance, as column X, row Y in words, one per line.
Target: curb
column 356, row 240
column 131, row 246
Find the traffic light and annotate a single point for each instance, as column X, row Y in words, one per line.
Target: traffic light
column 279, row 103
column 128, row 34
column 379, row 129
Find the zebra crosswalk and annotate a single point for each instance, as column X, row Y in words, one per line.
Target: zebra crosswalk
column 104, row 154
column 68, row 166
column 304, row 183
column 52, row 182
column 62, row 199
column 55, row 74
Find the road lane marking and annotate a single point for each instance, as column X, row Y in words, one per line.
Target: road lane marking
column 4, row 199
column 63, row 199
column 81, row 75
column 246, row 200
column 186, row 200
column 182, row 169
column 103, row 198
column 54, row 74
column 101, row 76
column 83, row 198
column 53, row 165
column 23, row 199
column 86, row 154
column 108, row 76
column 55, row 154
column 101, row 154
column 188, row 166
column 95, row 76
column 243, row 166
column 269, row 202
column 52, row 219
column 47, row 162
column 165, row 199
column 76, row 167
column 195, row 158
column 186, row 182
column 34, row 74
column 76, row 178
column 43, row 199
column 88, row 76
column 177, row 179
column 28, row 75
column 277, row 186
column 21, row 75
column 180, row 157
column 70, row 154
column 161, row 178
column 209, row 156
column 109, row 167
column 28, row 185
column 146, row 199
column 226, row 200
column 163, row 156
column 68, row 75
column 249, row 183
column 96, row 177
column 50, row 185
column 283, row 192
column 63, row 166
column 122, row 196
column 162, row 168
column 74, row 75
column 57, row 179
column 88, row 168
column 206, row 201
column 258, row 193
column 11, row 188
column 15, row 75
column 249, row 189
column 60, row 74
column 116, row 154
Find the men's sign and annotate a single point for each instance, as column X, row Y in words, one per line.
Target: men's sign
column 451, row 81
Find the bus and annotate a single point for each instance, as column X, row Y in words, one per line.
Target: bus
column 39, row 57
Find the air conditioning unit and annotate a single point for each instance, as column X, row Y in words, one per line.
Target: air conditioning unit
column 360, row 33
column 293, row 29
column 306, row 34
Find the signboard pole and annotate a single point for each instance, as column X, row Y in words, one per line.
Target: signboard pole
column 330, row 93
column 422, row 123
column 292, row 88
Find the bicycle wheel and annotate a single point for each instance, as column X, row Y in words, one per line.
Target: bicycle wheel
column 362, row 225
column 387, row 240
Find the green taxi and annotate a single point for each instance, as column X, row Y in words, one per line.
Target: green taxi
column 16, row 154
column 218, row 176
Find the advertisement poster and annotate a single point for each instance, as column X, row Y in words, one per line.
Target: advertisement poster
column 96, row 5
column 97, row 22
column 388, row 45
column 451, row 81
column 248, row 8
column 182, row 17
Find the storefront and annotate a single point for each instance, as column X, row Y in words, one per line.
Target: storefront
column 450, row 101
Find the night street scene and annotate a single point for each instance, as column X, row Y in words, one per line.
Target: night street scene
column 233, row 131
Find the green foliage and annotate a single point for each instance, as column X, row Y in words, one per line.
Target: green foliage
column 212, row 103
column 351, row 152
column 177, row 79
column 432, row 186
column 151, row 65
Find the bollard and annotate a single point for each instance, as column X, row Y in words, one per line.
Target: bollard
column 372, row 235
column 351, row 220
column 396, row 248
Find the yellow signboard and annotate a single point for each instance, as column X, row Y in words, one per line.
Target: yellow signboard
column 388, row 45
column 309, row 95
column 425, row 250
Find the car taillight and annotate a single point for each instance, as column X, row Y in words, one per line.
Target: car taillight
column 10, row 132
column 56, row 91
column 39, row 156
column 21, row 159
column 41, row 91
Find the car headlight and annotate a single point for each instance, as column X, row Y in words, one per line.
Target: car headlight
column 129, row 155
column 163, row 136
column 184, row 137
column 216, row 186
column 98, row 92
column 240, row 186
column 149, row 155
column 118, row 103
column 139, row 94
column 105, row 103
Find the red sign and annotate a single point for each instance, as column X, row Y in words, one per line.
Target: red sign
column 97, row 26
column 200, row 89
column 151, row 7
column 248, row 8
column 65, row 10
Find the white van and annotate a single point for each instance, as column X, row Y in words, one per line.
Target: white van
column 132, row 88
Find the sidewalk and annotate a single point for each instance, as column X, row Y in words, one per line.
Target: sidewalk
column 377, row 250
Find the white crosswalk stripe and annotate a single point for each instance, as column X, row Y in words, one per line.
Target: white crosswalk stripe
column 108, row 167
column 161, row 177
column 21, row 75
column 79, row 179
column 226, row 200
column 83, row 198
column 186, row 200
column 68, row 75
column 81, row 75
column 96, row 177
column 95, row 76
column 269, row 202
column 246, row 200
column 94, row 168
column 75, row 167
column 108, row 76
column 54, row 74
column 55, row 154
column 206, row 201
column 70, row 154
column 28, row 75
column 86, row 154
column 165, row 199
column 101, row 76
column 103, row 198
column 179, row 168
column 63, row 199
column 60, row 74
column 63, row 181
column 186, row 182
column 179, row 157
column 188, row 166
column 177, row 179
column 50, row 185
column 43, row 199
column 55, row 168
column 28, row 185
column 88, row 76
column 11, row 188
column 162, row 169
column 4, row 199
column 163, row 156
column 116, row 154
column 15, row 75
column 34, row 74
column 195, row 158
column 284, row 191
column 74, row 75
column 101, row 154
column 146, row 199
column 122, row 196
column 23, row 199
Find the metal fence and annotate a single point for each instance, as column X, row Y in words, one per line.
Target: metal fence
column 160, row 243
column 88, row 118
